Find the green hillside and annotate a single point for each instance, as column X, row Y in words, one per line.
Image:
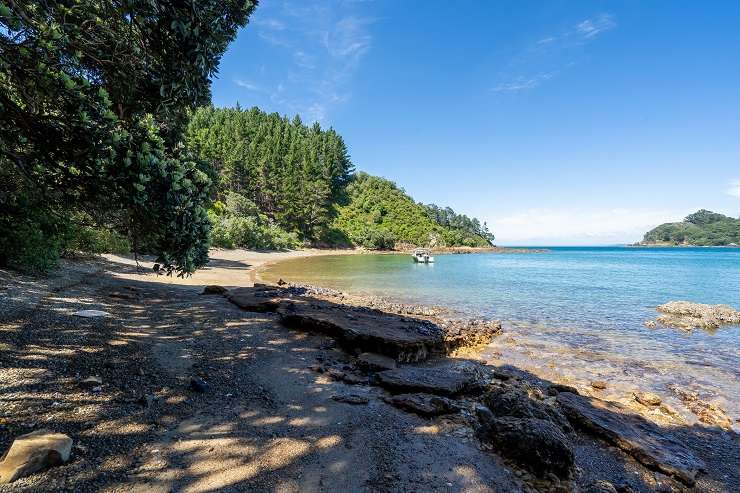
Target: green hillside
column 702, row 228
column 283, row 184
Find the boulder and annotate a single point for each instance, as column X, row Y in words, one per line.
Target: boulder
column 649, row 444
column 440, row 381
column 534, row 444
column 214, row 289
column 511, row 401
column 257, row 299
column 33, row 452
column 423, row 404
column 375, row 362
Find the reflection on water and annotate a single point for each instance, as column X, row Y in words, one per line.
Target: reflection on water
column 576, row 313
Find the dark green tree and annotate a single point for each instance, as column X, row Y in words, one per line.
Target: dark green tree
column 95, row 96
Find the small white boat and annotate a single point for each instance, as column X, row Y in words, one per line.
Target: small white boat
column 423, row 256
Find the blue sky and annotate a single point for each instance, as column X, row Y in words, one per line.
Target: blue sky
column 557, row 122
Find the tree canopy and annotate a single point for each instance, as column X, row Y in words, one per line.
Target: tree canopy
column 702, row 228
column 95, row 98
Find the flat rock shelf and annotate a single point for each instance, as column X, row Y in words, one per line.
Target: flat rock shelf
column 403, row 338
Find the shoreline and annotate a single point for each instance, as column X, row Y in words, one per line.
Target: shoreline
column 518, row 342
column 283, row 405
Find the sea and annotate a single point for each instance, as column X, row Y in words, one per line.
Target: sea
column 573, row 314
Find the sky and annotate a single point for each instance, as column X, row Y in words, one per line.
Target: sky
column 556, row 122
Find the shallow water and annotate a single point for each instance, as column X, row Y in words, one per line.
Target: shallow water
column 576, row 312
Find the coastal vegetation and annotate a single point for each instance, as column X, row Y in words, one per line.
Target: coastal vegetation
column 281, row 183
column 95, row 98
column 702, row 228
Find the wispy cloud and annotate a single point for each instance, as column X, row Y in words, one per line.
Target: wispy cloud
column 596, row 25
column 324, row 43
column 734, row 189
column 523, row 83
column 548, row 53
column 246, row 84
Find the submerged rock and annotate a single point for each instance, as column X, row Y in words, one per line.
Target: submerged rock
column 441, row 381
column 649, row 444
column 647, row 398
column 423, row 404
column 687, row 315
column 33, row 452
column 707, row 412
column 535, row 444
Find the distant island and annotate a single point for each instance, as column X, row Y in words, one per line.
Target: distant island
column 702, row 228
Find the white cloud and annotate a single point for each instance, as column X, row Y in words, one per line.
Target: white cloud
column 548, row 226
column 734, row 189
column 596, row 25
column 246, row 84
column 326, row 43
column 523, row 83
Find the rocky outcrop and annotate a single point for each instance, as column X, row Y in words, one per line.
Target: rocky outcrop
column 512, row 401
column 649, row 444
column 404, row 338
column 687, row 315
column 423, row 404
column 449, row 380
column 534, row 444
column 214, row 289
column 33, row 452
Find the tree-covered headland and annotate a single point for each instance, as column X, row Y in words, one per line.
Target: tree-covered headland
column 295, row 184
column 702, row 228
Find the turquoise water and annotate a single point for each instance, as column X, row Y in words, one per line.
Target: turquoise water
column 574, row 304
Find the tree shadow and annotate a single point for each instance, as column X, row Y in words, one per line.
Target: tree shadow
column 266, row 421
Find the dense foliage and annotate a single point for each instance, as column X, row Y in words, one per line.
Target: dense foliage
column 702, row 228
column 292, row 172
column 379, row 214
column 94, row 99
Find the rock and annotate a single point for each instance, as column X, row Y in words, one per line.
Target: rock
column 647, row 398
column 650, row 324
column 534, row 444
column 423, row 404
column 91, row 382
column 33, row 452
column 260, row 298
column 556, row 388
column 122, row 296
column 198, row 384
column 687, row 315
column 598, row 384
column 600, row 486
column 91, row 313
column 281, row 282
column 501, row 375
column 649, row 444
column 351, row 399
column 511, row 401
column 214, row 289
column 354, row 379
column 375, row 362
column 442, row 381
column 707, row 412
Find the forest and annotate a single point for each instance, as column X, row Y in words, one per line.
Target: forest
column 281, row 183
column 702, row 228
